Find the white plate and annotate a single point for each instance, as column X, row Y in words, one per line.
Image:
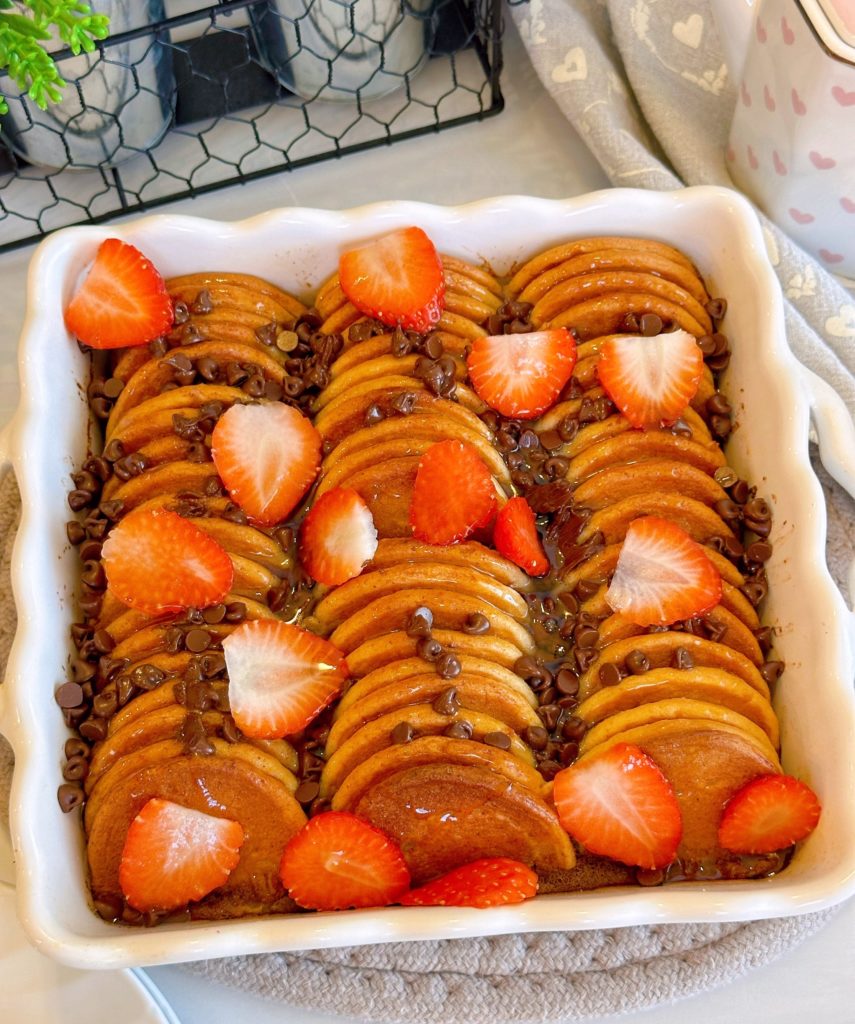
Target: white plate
column 297, row 249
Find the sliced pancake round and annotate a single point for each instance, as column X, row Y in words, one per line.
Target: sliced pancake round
column 423, row 720
column 374, row 653
column 509, row 704
column 624, row 481
column 585, row 288
column 150, row 379
column 397, row 672
column 558, row 254
column 159, row 750
column 347, row 599
column 224, row 786
column 662, row 650
column 706, row 763
column 674, row 708
column 450, row 611
column 605, row 260
column 369, row 370
column 466, row 812
column 639, row 445
column 733, row 633
column 705, row 684
column 607, row 314
column 167, row 478
column 396, row 551
column 432, row 421
column 187, row 287
column 697, row 519
column 135, row 427
column 338, row 422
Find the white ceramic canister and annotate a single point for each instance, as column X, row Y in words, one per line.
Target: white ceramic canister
column 792, row 139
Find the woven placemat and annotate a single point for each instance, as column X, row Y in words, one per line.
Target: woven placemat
column 533, row 978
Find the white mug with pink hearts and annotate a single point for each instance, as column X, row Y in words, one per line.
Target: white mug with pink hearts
column 792, row 139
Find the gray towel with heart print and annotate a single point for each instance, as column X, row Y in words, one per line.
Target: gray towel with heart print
column 645, row 84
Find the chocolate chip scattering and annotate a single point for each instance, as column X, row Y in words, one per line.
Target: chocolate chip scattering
column 428, row 649
column 476, row 624
column 420, row 622
column 69, row 695
column 447, row 703
column 460, row 730
column 70, row 795
column 403, row 733
column 448, row 666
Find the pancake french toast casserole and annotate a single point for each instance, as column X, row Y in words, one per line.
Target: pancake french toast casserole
column 439, row 590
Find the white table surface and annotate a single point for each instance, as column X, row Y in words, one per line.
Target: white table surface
column 529, row 149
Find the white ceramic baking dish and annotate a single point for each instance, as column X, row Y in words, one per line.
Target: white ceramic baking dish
column 773, row 398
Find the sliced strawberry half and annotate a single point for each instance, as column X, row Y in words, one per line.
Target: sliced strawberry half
column 651, row 380
column 122, row 302
column 453, row 494
column 338, row 537
column 515, row 536
column 280, row 677
column 618, row 804
column 268, row 456
column 662, row 575
column 490, row 882
column 397, row 279
column 338, row 861
column 174, row 855
column 769, row 813
column 521, row 375
column 157, row 562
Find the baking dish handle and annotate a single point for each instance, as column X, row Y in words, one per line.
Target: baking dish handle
column 835, row 428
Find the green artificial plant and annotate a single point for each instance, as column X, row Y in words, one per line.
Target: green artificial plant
column 26, row 25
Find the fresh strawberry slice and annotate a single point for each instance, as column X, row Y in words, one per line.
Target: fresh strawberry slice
column 268, row 456
column 157, row 562
column 453, row 494
column 521, row 375
column 397, row 279
column 618, row 804
column 489, row 882
column 173, row 855
column 515, row 536
column 338, row 861
column 122, row 302
column 651, row 380
column 662, row 575
column 769, row 813
column 280, row 677
column 338, row 537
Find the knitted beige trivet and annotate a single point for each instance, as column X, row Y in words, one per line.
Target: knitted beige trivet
column 510, row 978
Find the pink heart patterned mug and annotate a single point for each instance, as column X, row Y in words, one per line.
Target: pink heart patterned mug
column 792, row 138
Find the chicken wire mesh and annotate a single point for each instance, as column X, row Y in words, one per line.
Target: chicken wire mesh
column 182, row 99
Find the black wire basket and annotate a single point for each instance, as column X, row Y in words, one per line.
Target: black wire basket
column 178, row 106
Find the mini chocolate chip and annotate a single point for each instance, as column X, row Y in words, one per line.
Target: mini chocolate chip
column 649, row 876
column 448, row 666
column 460, row 730
column 574, row 728
column 501, row 740
column 307, row 791
column 216, row 613
column 113, row 387
column 725, row 477
column 404, row 402
column 124, row 690
column 197, row 640
column 729, row 511
column 549, row 715
column 235, row 611
column 650, row 324
column 755, row 590
column 373, row 414
column 403, row 733
column 70, row 795
column 69, row 695
column 637, row 662
column 420, row 622
column 194, row 735
column 757, row 509
column 721, row 426
column 609, row 674
column 82, row 671
column 75, row 532
column 536, row 737
column 93, row 729
column 551, row 439
column 75, row 748
column 586, row 636
column 718, row 405
column 760, row 551
column 79, row 499
column 549, row 769
column 105, row 704
column 147, row 677
column 740, row 492
column 771, row 671
column 428, row 649
column 682, row 659
column 716, row 308
column 567, row 682
column 447, row 703
column 476, row 624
